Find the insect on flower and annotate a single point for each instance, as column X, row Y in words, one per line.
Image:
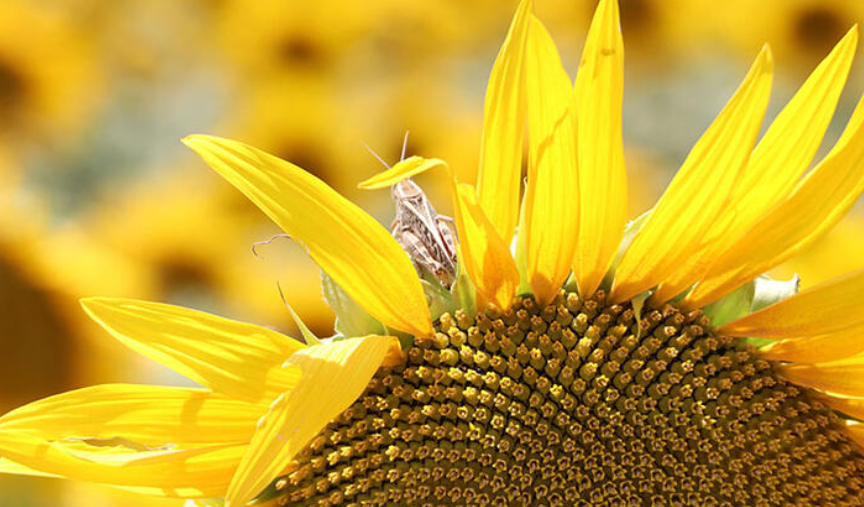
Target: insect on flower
column 427, row 237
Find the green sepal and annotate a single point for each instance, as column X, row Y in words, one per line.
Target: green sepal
column 405, row 340
column 351, row 319
column 439, row 299
column 307, row 333
column 733, row 306
column 750, row 297
column 269, row 493
column 463, row 293
column 520, row 254
column 630, row 231
column 571, row 284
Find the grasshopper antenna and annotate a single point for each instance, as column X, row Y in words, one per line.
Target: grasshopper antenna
column 377, row 156
column 267, row 242
column 404, row 146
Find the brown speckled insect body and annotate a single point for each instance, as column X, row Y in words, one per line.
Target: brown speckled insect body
column 429, row 238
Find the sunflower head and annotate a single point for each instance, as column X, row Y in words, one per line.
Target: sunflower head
column 535, row 349
column 580, row 402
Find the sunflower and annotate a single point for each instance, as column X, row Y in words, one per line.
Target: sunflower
column 593, row 363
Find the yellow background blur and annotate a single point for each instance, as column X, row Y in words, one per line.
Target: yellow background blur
column 98, row 196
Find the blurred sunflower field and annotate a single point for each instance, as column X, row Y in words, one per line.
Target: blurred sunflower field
column 99, row 197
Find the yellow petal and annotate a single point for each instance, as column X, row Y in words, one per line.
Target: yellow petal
column 602, row 178
column 698, row 193
column 551, row 204
column 150, row 415
column 12, row 468
column 411, row 166
column 850, row 406
column 335, row 374
column 349, row 245
column 500, row 172
column 819, row 201
column 788, row 146
column 844, row 378
column 777, row 163
column 232, row 358
column 830, row 307
column 187, row 473
column 485, row 256
column 816, row 349
column 856, row 432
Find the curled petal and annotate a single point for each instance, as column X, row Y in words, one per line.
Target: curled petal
column 485, row 255
column 229, row 357
column 349, row 245
column 334, row 375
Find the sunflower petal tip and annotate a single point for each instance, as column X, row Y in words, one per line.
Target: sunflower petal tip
column 198, row 141
column 191, row 139
column 402, row 170
column 849, row 41
column 851, row 37
column 610, row 7
column 608, row 18
column 93, row 302
column 763, row 65
column 766, row 55
column 90, row 304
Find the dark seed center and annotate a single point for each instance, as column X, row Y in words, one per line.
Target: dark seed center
column 577, row 404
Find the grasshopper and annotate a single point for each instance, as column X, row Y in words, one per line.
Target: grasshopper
column 429, row 238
